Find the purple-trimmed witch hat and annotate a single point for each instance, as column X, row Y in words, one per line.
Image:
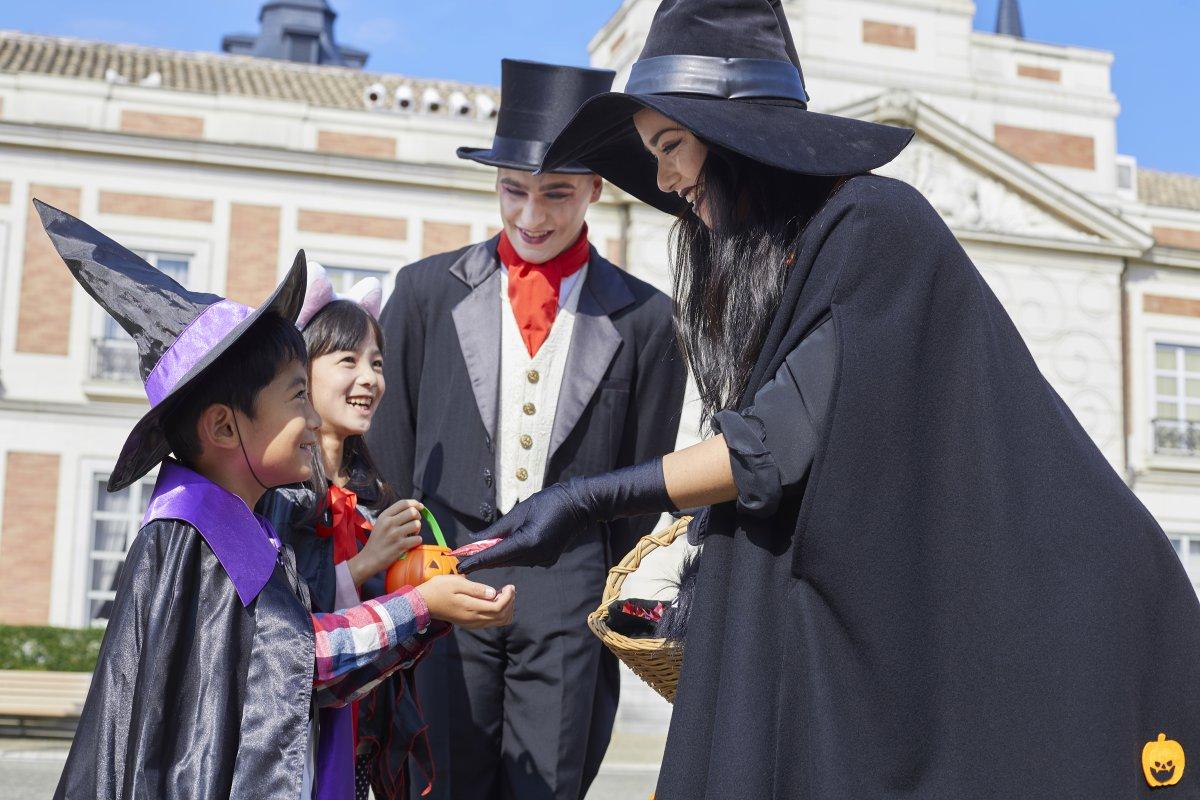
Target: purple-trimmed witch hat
column 179, row 333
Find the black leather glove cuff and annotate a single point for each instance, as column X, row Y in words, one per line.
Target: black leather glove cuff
column 627, row 492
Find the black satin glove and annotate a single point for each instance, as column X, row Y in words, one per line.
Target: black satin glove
column 537, row 531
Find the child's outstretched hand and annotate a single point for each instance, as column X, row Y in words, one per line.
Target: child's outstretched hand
column 467, row 604
column 397, row 530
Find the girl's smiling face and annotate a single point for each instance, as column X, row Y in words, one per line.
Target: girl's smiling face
column 347, row 386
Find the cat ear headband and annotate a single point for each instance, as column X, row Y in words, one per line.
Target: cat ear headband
column 367, row 294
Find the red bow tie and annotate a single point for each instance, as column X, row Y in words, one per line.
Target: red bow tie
column 347, row 527
column 533, row 288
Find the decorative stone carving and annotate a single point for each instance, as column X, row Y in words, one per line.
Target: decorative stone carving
column 969, row 200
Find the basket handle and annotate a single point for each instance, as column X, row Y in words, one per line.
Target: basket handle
column 633, row 559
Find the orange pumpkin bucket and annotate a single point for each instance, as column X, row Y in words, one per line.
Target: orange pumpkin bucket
column 424, row 562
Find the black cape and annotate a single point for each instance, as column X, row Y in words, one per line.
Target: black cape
column 963, row 599
column 195, row 695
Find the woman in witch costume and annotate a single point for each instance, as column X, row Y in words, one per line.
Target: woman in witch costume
column 919, row 576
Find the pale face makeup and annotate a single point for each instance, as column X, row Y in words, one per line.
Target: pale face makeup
column 680, row 156
column 346, row 388
column 543, row 214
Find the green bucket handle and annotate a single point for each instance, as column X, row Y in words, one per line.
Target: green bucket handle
column 433, row 526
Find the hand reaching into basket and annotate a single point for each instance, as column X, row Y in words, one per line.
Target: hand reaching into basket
column 537, row 531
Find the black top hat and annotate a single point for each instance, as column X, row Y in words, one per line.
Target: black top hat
column 179, row 333
column 727, row 70
column 536, row 101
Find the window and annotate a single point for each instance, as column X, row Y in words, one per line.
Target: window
column 1177, row 399
column 1188, row 549
column 114, row 521
column 114, row 353
column 301, row 47
column 342, row 278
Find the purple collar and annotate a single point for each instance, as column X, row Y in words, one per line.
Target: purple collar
column 242, row 541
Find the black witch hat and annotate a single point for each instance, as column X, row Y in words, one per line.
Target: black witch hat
column 536, row 101
column 179, row 333
column 726, row 70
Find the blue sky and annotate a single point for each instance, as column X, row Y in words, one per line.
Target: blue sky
column 1156, row 75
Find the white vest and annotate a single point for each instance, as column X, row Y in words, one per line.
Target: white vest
column 529, row 389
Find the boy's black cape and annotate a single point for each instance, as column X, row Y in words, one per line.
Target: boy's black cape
column 194, row 695
column 964, row 600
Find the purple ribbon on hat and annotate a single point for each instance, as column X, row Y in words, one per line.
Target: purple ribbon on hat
column 197, row 340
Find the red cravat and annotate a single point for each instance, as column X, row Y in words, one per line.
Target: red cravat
column 533, row 288
column 347, row 527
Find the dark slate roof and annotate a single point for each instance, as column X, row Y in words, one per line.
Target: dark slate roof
column 210, row 73
column 1008, row 19
column 1172, row 189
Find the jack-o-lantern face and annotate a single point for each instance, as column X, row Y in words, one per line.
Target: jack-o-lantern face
column 1162, row 761
column 419, row 565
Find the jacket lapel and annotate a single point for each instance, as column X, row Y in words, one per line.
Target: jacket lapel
column 477, row 322
column 594, row 342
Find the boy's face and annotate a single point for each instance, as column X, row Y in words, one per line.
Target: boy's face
column 281, row 438
column 543, row 214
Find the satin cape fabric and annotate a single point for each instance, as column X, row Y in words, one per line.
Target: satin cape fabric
column 963, row 599
column 194, row 694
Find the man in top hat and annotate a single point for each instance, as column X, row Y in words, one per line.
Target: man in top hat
column 518, row 362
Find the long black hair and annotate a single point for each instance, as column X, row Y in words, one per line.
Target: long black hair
column 729, row 280
column 343, row 325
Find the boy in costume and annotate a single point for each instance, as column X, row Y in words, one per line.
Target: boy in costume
column 212, row 663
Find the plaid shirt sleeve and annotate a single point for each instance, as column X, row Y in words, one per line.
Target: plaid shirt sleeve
column 359, row 647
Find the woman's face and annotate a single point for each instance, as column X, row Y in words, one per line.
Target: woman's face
column 347, row 386
column 680, row 157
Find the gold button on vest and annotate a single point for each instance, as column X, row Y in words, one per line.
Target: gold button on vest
column 533, row 376
column 526, row 441
column 530, row 409
column 522, row 474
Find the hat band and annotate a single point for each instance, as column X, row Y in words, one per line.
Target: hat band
column 519, row 151
column 730, row 78
column 198, row 339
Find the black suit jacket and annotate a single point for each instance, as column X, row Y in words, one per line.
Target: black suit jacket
column 433, row 433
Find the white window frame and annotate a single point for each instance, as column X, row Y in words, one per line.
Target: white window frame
column 1185, row 542
column 345, row 258
column 1148, row 397
column 92, row 470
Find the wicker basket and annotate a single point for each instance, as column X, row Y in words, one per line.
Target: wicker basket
column 653, row 660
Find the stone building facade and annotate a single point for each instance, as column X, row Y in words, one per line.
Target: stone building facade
column 217, row 167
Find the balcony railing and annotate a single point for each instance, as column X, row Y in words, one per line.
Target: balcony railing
column 114, row 360
column 1178, row 437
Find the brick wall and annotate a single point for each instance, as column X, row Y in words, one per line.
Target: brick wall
column 151, row 205
column 27, row 539
column 356, row 144
column 439, row 237
column 1177, row 306
column 1039, row 73
column 352, row 224
column 44, row 311
column 889, row 35
column 253, row 265
column 5, row 192
column 1048, row 147
column 1177, row 237
column 176, row 125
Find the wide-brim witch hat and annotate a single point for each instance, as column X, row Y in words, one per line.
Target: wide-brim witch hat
column 179, row 333
column 536, row 101
column 726, row 70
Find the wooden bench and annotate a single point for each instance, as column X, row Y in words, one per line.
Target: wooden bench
column 41, row 703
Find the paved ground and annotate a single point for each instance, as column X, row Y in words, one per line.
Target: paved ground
column 29, row 768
